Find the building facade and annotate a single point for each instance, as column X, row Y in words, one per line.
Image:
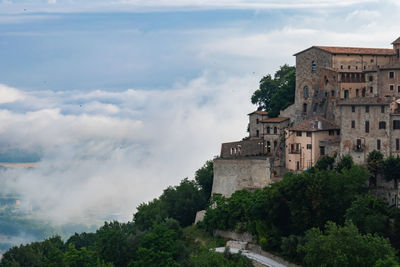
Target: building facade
column 347, row 102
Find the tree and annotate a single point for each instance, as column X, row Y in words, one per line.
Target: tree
column 160, row 247
column 374, row 165
column 183, row 201
column 276, row 94
column 204, row 178
column 369, row 214
column 344, row 246
column 391, row 169
column 111, row 243
column 325, row 163
column 345, row 162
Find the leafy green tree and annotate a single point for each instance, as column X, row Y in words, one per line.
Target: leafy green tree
column 276, row 94
column 160, row 247
column 369, row 214
column 111, row 243
column 345, row 162
column 325, row 163
column 78, row 258
column 183, row 201
column 391, row 169
column 148, row 214
column 82, row 240
column 344, row 246
column 374, row 165
column 204, row 178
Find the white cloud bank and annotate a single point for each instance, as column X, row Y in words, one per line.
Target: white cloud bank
column 103, row 153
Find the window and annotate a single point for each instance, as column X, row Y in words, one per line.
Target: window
column 358, row 143
column 367, row 126
column 322, row 150
column 357, row 91
column 308, row 134
column 305, row 91
column 257, row 133
column 378, row 144
column 309, row 146
column 275, row 144
column 396, row 124
column 346, row 94
column 331, row 132
column 353, row 124
column 341, row 66
column 382, row 125
column 333, row 92
column 391, row 74
column 366, row 109
column 353, row 108
column 348, row 66
column 397, row 144
column 398, row 53
column 313, row 66
column 257, row 121
column 398, row 88
column 370, row 78
column 382, row 109
column 391, row 87
column 338, row 132
column 275, row 130
column 315, row 107
column 363, row 92
column 304, row 108
column 268, row 130
column 268, row 146
column 298, row 133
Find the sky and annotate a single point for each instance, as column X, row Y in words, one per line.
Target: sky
column 123, row 98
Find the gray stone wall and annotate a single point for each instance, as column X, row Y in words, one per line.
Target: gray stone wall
column 231, row 175
column 385, row 81
column 350, row 135
column 245, row 148
column 306, row 76
column 255, row 125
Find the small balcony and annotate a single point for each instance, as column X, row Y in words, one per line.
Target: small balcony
column 294, row 151
column 359, row 148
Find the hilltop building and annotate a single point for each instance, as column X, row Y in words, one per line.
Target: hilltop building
column 347, row 102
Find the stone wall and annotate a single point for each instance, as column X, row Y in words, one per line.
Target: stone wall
column 231, row 175
column 368, row 140
column 307, row 77
column 252, row 147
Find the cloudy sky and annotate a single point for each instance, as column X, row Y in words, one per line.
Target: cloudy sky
column 123, row 98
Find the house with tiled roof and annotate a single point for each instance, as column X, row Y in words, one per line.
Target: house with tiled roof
column 347, row 102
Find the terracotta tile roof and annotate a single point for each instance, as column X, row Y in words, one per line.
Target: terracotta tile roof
column 311, row 125
column 278, row 119
column 260, row 112
column 353, row 50
column 397, row 41
column 362, row 101
column 356, row 50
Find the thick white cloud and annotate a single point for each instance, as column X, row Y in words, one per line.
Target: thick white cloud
column 103, row 153
column 9, row 94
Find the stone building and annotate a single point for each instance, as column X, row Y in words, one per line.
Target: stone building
column 347, row 102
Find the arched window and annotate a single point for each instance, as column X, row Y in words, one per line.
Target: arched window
column 313, row 66
column 275, row 130
column 304, row 108
column 268, row 130
column 305, row 91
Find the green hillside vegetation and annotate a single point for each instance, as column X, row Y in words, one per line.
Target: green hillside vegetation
column 323, row 217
